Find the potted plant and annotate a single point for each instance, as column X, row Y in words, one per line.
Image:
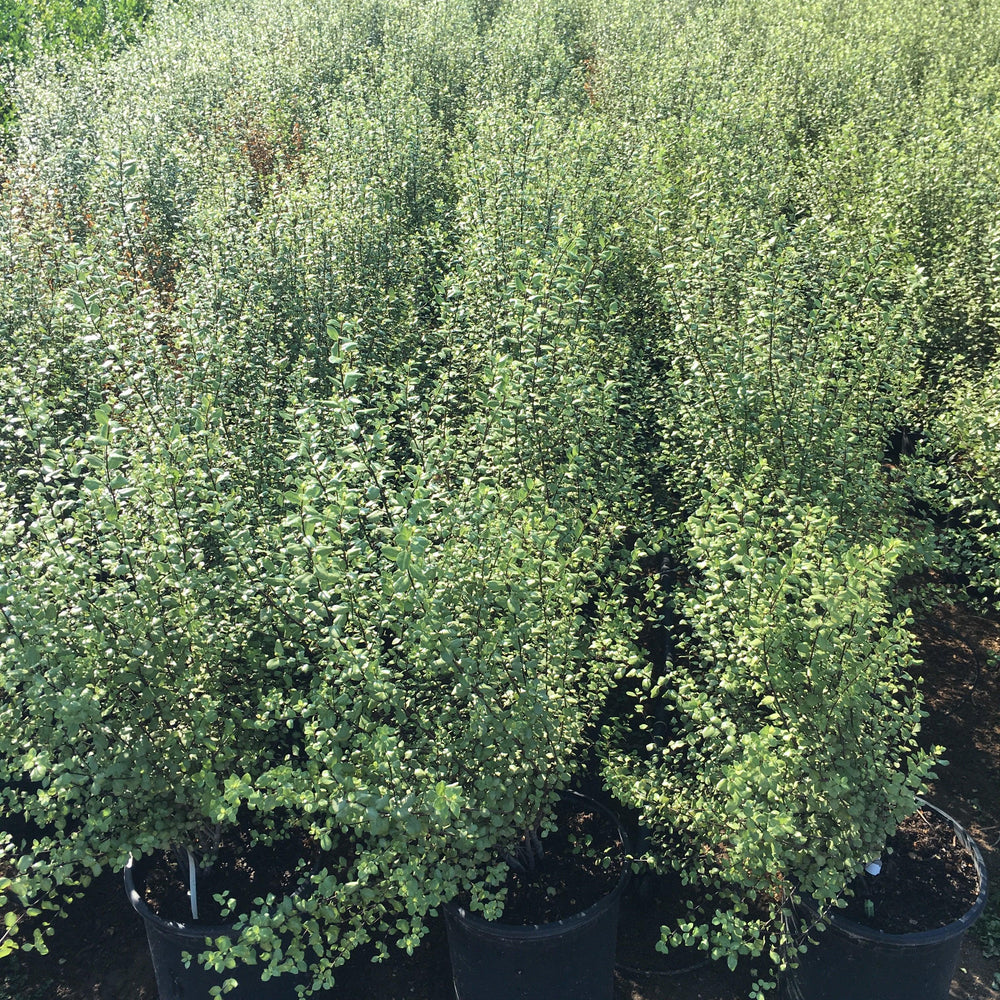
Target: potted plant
column 542, row 398
column 162, row 676
column 890, row 948
column 380, row 671
column 785, row 754
column 510, row 624
column 546, row 575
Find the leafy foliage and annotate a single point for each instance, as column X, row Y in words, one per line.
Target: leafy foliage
column 97, row 27
column 386, row 383
column 785, row 754
column 988, row 931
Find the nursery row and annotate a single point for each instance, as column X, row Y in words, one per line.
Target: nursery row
column 414, row 411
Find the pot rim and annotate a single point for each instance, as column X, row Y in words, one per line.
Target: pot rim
column 195, row 932
column 934, row 935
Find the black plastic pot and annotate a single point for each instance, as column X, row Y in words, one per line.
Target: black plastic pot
column 854, row 962
column 571, row 959
column 168, row 941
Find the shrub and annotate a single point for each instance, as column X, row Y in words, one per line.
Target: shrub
column 261, row 568
column 400, row 664
column 785, row 752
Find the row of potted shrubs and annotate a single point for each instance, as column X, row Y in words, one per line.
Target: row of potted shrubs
column 400, row 433
column 381, row 676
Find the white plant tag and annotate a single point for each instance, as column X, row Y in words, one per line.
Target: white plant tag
column 873, row 867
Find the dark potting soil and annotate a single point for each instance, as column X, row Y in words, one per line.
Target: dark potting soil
column 581, row 863
column 928, row 879
column 243, row 871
